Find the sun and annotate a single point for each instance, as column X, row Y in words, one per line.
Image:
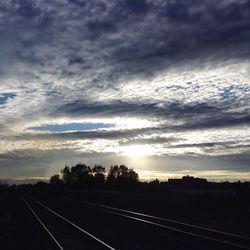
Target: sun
column 137, row 150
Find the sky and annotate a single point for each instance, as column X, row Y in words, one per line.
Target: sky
column 162, row 86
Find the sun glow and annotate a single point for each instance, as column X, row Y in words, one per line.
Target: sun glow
column 137, row 150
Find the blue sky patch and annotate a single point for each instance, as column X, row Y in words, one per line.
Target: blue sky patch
column 5, row 96
column 72, row 126
column 228, row 93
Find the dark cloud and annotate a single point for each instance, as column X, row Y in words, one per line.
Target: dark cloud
column 99, row 27
column 25, row 163
column 184, row 30
column 97, row 134
column 44, row 163
column 207, row 145
column 80, row 3
column 135, row 37
column 195, row 116
column 152, row 140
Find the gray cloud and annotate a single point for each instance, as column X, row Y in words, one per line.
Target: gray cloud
column 133, row 37
column 202, row 114
column 153, row 140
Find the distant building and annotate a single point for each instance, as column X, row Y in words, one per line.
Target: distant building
column 187, row 182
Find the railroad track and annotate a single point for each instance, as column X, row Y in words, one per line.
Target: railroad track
column 65, row 233
column 224, row 238
column 76, row 241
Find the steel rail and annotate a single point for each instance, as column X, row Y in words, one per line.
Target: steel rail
column 73, row 224
column 165, row 219
column 46, row 229
column 182, row 231
column 225, row 242
column 197, row 235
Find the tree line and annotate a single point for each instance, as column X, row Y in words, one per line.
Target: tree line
column 82, row 176
column 121, row 177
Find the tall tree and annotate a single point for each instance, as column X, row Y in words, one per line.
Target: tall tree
column 81, row 175
column 122, row 177
column 99, row 176
column 66, row 175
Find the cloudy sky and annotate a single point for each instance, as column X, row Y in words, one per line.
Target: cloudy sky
column 160, row 85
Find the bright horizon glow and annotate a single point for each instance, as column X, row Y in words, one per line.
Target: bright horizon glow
column 210, row 175
column 149, row 175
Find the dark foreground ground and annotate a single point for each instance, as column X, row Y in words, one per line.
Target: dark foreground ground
column 18, row 227
column 222, row 211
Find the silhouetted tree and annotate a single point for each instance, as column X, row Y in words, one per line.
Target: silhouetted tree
column 154, row 185
column 55, row 180
column 81, row 175
column 98, row 176
column 3, row 184
column 112, row 176
column 66, row 175
column 127, row 178
column 122, row 177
